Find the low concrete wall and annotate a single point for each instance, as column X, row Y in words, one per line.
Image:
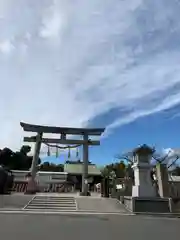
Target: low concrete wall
column 154, row 205
column 175, row 205
column 41, row 176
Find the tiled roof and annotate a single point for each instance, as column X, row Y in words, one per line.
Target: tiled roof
column 78, row 168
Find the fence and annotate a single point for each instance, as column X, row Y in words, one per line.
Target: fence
column 21, row 186
column 127, row 184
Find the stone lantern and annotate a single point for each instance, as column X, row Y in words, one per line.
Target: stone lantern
column 141, row 165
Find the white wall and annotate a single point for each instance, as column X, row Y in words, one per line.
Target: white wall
column 41, row 177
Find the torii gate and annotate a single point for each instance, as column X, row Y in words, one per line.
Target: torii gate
column 63, row 131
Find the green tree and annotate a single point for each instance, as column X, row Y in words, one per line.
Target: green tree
column 51, row 167
column 117, row 168
column 16, row 160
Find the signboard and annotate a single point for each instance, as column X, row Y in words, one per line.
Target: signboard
column 119, row 186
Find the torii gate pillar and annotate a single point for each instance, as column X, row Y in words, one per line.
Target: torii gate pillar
column 32, row 186
column 85, row 166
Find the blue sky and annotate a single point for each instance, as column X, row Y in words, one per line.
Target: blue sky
column 160, row 130
column 81, row 63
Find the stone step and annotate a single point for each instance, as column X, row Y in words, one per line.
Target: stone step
column 64, row 199
column 50, row 197
column 54, row 198
column 49, row 210
column 51, row 207
column 51, row 204
column 53, row 201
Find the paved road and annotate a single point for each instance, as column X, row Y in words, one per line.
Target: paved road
column 41, row 227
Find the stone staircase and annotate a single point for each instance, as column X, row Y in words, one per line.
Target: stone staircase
column 52, row 203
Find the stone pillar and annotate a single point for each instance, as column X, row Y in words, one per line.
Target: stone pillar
column 32, row 187
column 163, row 180
column 142, row 181
column 128, row 187
column 85, row 166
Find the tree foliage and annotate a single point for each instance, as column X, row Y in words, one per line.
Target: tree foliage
column 51, row 167
column 16, row 160
column 76, row 162
column 118, row 169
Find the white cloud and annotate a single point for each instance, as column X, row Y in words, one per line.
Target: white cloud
column 6, row 47
column 168, row 151
column 52, row 21
column 105, row 54
column 166, row 103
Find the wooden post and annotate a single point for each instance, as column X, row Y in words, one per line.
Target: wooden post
column 85, row 166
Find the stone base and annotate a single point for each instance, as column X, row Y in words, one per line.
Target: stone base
column 176, row 205
column 141, row 191
column 31, row 186
column 148, row 205
column 84, row 194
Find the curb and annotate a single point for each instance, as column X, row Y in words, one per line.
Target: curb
column 83, row 212
column 169, row 215
column 8, row 211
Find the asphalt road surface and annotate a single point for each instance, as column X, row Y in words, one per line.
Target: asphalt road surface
column 81, row 227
